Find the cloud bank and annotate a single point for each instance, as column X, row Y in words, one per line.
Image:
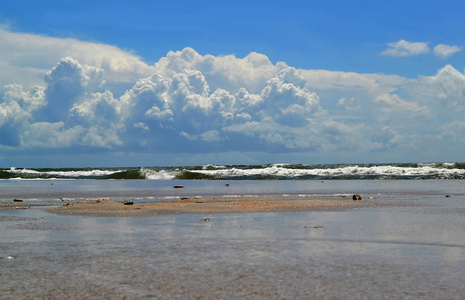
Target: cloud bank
column 197, row 104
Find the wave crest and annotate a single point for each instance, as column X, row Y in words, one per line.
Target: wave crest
column 251, row 172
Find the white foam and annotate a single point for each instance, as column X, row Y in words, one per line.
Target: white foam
column 157, row 175
column 89, row 173
column 279, row 170
column 80, row 173
column 213, row 167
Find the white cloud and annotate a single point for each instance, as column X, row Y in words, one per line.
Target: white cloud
column 443, row 91
column 97, row 108
column 173, row 106
column 453, row 132
column 50, row 135
column 396, row 102
column 102, row 137
column 444, row 51
column 337, row 80
column 207, row 136
column 16, row 112
column 29, row 101
column 351, row 104
column 142, row 126
column 226, row 72
column 188, row 102
column 403, row 48
column 26, row 57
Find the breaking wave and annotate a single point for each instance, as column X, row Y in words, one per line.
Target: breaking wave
column 250, row 172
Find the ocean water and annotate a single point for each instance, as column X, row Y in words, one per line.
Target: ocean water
column 156, row 183
column 412, row 249
column 156, row 190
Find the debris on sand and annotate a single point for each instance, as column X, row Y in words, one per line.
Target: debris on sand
column 356, row 197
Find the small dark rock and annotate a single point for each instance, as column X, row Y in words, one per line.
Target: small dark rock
column 356, row 197
column 128, row 203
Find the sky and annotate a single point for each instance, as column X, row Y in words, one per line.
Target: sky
column 151, row 83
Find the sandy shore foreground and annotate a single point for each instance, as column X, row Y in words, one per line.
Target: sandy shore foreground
column 209, row 205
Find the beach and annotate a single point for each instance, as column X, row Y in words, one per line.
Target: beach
column 398, row 243
column 109, row 208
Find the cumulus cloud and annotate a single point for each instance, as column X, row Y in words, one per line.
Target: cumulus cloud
column 403, row 48
column 170, row 103
column 50, row 135
column 193, row 103
column 16, row 111
column 226, row 72
column 63, row 114
column 444, row 51
column 178, row 104
column 443, row 91
column 96, row 108
column 30, row 100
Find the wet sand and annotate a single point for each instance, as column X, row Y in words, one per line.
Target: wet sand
column 235, row 248
column 110, row 208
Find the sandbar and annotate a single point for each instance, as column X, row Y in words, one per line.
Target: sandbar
column 107, row 207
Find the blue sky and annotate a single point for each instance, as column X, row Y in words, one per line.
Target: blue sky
column 115, row 83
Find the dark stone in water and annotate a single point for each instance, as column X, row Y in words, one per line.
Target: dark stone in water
column 356, row 197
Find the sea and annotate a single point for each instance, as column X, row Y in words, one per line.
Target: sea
column 408, row 246
column 156, row 183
